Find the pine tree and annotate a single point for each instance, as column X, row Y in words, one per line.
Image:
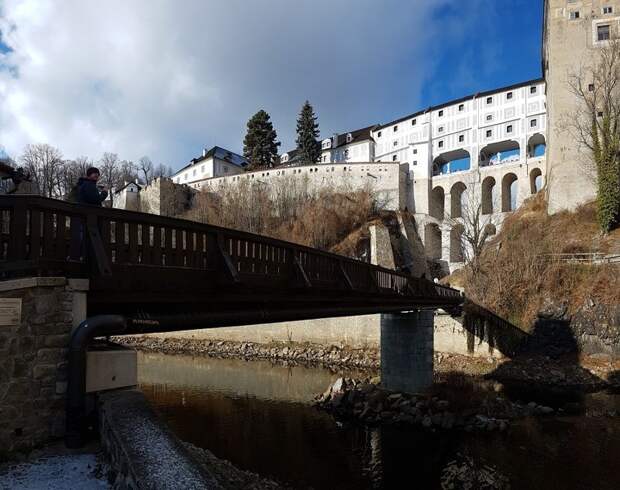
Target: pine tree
column 260, row 146
column 307, row 134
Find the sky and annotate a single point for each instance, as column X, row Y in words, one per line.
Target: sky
column 166, row 78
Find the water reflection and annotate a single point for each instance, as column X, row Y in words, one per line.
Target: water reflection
column 259, row 417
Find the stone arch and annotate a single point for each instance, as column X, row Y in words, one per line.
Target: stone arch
column 488, row 195
column 452, row 161
column 507, row 151
column 432, row 240
column 536, row 180
column 457, row 193
column 438, row 198
column 536, row 146
column 456, row 243
column 510, row 189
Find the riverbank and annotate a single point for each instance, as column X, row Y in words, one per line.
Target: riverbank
column 586, row 372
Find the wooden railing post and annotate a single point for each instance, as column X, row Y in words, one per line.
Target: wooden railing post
column 17, row 243
column 101, row 260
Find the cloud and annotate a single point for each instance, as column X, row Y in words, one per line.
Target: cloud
column 166, row 78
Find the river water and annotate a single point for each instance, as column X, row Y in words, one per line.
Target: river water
column 260, row 417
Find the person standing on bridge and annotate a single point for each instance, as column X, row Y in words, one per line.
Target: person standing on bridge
column 85, row 191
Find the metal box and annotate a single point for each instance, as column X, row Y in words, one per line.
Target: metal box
column 110, row 367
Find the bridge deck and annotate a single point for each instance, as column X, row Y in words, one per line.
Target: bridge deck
column 141, row 264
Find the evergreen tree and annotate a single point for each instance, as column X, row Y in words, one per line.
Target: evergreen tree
column 307, row 134
column 260, row 146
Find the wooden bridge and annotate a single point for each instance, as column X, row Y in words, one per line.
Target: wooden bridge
column 151, row 273
column 145, row 266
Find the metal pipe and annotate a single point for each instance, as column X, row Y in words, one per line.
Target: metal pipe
column 97, row 326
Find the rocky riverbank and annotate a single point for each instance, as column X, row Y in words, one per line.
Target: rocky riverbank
column 457, row 403
column 326, row 356
column 586, row 373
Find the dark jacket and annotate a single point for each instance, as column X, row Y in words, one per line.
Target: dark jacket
column 88, row 192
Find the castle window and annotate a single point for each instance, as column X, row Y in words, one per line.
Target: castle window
column 489, row 100
column 608, row 10
column 591, row 87
column 415, row 162
column 394, row 157
column 461, row 107
column 489, row 117
column 379, row 134
column 533, row 123
column 602, row 32
column 509, row 128
column 461, row 138
column 413, row 122
column 440, row 129
column 509, row 95
column 440, row 144
column 532, row 90
column 574, row 15
column 395, row 128
column 440, row 114
column 489, row 133
column 395, row 143
column 415, row 151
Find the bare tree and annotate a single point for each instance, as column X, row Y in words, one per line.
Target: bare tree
column 146, row 169
column 127, row 173
column 596, row 125
column 45, row 165
column 109, row 167
column 72, row 171
column 470, row 228
column 162, row 170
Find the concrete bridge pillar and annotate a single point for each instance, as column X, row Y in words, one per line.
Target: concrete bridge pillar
column 407, row 350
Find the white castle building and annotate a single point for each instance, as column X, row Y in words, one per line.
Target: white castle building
column 487, row 147
column 211, row 164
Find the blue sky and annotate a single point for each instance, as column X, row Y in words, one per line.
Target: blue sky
column 155, row 78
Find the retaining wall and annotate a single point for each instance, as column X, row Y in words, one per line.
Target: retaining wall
column 453, row 335
column 142, row 451
column 33, row 367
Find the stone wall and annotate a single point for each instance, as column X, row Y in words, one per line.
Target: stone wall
column 469, row 336
column 33, row 367
column 165, row 198
column 568, row 45
column 136, row 442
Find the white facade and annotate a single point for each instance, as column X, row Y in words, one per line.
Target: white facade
column 216, row 162
column 468, row 125
column 489, row 147
column 127, row 196
column 355, row 146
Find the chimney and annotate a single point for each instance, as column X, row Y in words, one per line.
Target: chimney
column 204, row 152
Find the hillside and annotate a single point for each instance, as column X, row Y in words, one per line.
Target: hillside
column 524, row 276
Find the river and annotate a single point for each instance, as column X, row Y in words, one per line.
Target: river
column 260, row 417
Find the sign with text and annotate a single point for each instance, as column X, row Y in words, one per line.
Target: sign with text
column 10, row 311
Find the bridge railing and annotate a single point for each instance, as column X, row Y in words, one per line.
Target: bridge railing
column 114, row 247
